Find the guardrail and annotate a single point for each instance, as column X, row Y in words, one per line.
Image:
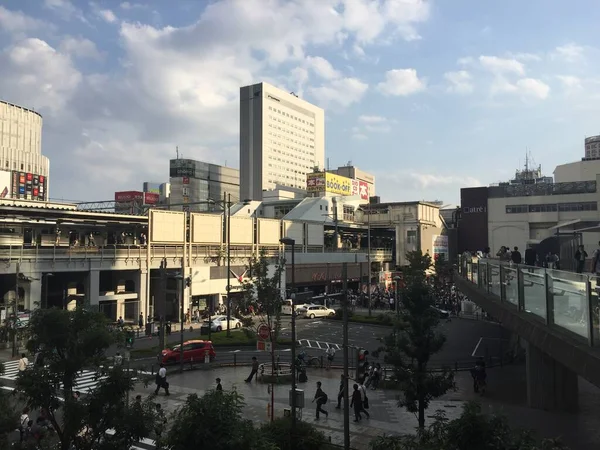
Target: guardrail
column 567, row 300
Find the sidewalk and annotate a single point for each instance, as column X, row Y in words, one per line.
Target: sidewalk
column 506, row 395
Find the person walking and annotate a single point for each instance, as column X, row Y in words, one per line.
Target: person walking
column 23, row 363
column 364, row 400
column 161, row 380
column 254, row 371
column 341, row 392
column 580, row 257
column 356, row 403
column 330, row 356
column 161, row 423
column 321, row 399
column 218, row 387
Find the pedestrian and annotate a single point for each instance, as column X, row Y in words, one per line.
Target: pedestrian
column 23, row 362
column 141, row 321
column 118, row 359
column 161, row 422
column 321, row 399
column 356, row 403
column 24, row 423
column 330, row 356
column 341, row 392
column 161, row 380
column 580, row 257
column 218, row 387
column 364, row 400
column 254, row 371
column 76, row 396
column 376, row 376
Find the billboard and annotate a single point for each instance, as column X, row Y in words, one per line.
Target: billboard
column 128, row 196
column 150, row 186
column 439, row 244
column 328, row 182
column 28, row 186
column 5, row 184
column 151, row 198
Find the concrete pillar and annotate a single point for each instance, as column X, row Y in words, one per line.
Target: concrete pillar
column 92, row 290
column 33, row 291
column 550, row 385
column 141, row 285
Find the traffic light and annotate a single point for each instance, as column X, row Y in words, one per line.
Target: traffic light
column 129, row 339
column 188, row 282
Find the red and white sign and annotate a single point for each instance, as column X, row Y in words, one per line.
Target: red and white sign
column 151, row 198
column 263, row 332
column 355, row 187
column 129, row 196
column 363, row 190
column 186, row 180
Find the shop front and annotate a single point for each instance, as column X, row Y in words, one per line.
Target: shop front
column 326, row 278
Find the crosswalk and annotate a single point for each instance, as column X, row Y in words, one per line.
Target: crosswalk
column 318, row 344
column 85, row 383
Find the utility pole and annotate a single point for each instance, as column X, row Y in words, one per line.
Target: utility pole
column 228, row 263
column 15, row 309
column 369, row 259
column 162, row 333
column 345, row 355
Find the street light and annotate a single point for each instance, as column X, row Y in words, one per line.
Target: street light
column 368, row 254
column 291, row 242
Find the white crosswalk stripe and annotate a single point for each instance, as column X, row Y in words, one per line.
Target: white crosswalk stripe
column 318, row 345
column 85, row 382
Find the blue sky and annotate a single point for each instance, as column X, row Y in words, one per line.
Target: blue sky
column 430, row 96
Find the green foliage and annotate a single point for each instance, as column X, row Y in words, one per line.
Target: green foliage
column 339, row 314
column 9, row 417
column 414, row 340
column 216, row 419
column 265, row 287
column 68, row 342
column 279, row 433
column 471, row 431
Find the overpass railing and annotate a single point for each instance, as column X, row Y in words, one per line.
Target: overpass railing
column 566, row 300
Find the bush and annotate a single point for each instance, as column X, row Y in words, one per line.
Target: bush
column 306, row 436
column 247, row 322
column 385, row 319
column 339, row 314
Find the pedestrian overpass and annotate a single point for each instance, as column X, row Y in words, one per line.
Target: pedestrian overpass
column 556, row 313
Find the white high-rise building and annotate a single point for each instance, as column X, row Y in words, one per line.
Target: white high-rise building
column 282, row 138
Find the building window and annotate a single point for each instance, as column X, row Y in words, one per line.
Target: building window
column 581, row 206
column 543, row 208
column 516, row 209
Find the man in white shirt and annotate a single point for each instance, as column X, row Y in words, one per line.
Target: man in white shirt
column 365, row 401
column 330, row 356
column 161, row 380
column 23, row 363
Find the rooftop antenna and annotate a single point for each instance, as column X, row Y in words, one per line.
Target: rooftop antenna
column 177, row 151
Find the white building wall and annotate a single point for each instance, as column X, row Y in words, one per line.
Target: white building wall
column 518, row 229
column 577, row 171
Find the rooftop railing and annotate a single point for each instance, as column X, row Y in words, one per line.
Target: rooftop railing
column 566, row 300
column 529, row 190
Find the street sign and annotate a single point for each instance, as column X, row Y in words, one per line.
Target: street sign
column 263, row 346
column 263, row 332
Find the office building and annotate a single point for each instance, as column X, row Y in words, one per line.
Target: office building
column 194, row 182
column 282, row 138
column 23, row 169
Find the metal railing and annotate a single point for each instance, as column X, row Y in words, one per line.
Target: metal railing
column 566, row 300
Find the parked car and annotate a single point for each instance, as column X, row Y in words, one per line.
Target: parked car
column 192, row 350
column 219, row 323
column 313, row 311
column 442, row 312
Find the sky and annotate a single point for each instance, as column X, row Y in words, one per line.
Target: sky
column 428, row 95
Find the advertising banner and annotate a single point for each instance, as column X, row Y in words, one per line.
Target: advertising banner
column 363, row 190
column 151, row 198
column 5, row 184
column 336, row 184
column 440, row 246
column 355, row 187
column 28, row 186
column 128, row 196
column 315, row 182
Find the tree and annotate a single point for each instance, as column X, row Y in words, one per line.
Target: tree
column 212, row 421
column 415, row 340
column 471, row 431
column 306, row 436
column 67, row 342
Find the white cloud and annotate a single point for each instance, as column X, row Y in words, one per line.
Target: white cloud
column 401, row 82
column 569, row 52
column 525, row 88
column 378, row 128
column 460, row 82
column 18, row 22
column 372, row 119
column 525, row 56
column 465, row 61
column 322, row 67
column 570, row 82
column 501, row 65
column 79, row 47
column 414, row 180
column 107, row 15
column 359, row 137
column 65, row 9
column 342, row 92
column 37, row 75
column 130, row 6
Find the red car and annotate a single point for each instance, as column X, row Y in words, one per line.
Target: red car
column 192, row 351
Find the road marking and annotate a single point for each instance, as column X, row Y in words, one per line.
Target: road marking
column 476, row 348
column 235, row 351
column 318, row 344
